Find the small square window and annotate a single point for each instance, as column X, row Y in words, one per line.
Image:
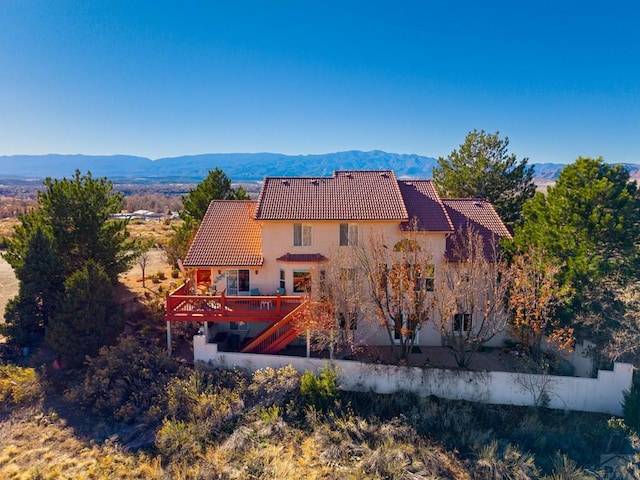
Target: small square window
column 301, row 281
column 348, row 321
column 301, row 235
column 348, row 234
column 462, row 322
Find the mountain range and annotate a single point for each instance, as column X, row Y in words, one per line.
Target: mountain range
column 237, row 166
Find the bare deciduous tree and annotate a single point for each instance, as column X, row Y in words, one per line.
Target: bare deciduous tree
column 399, row 284
column 470, row 294
column 143, row 258
column 624, row 337
column 330, row 317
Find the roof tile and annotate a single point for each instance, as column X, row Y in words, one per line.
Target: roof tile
column 228, row 236
column 424, row 205
column 477, row 214
column 347, row 195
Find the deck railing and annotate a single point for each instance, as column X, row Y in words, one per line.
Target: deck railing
column 182, row 307
column 276, row 337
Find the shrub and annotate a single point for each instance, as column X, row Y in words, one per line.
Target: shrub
column 271, row 386
column 126, row 382
column 178, row 441
column 631, row 408
column 320, row 390
column 198, row 410
column 18, row 386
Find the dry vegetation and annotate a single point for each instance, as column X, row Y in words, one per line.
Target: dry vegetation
column 274, row 424
column 6, row 227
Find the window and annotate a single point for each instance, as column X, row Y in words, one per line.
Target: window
column 301, row 235
column 238, row 282
column 348, row 234
column 301, row 281
column 462, row 322
column 283, row 284
column 425, row 279
column 347, row 274
column 240, row 326
column 406, row 245
column 348, row 321
column 405, row 326
column 323, row 289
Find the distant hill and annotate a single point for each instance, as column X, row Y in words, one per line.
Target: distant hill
column 238, row 166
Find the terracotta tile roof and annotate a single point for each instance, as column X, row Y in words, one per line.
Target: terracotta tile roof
column 228, row 236
column 424, row 205
column 479, row 215
column 347, row 195
column 302, row 258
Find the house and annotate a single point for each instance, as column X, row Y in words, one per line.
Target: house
column 250, row 266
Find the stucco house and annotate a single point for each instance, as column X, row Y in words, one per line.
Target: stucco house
column 250, row 266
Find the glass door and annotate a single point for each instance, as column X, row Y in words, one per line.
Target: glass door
column 238, row 282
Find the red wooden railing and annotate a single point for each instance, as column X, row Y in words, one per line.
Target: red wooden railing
column 181, row 307
column 276, row 337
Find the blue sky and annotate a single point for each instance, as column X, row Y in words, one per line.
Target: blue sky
column 559, row 78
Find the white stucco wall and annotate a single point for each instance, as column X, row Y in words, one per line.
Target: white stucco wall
column 603, row 394
column 277, row 240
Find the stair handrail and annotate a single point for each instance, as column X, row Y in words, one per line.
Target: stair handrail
column 272, row 330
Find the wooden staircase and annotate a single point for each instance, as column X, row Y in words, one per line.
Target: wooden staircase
column 276, row 337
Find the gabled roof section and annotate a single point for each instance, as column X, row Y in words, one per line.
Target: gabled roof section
column 424, row 205
column 228, row 236
column 478, row 215
column 347, row 195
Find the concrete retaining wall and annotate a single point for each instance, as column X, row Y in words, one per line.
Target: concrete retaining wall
column 603, row 394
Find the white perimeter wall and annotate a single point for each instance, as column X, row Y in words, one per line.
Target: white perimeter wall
column 603, row 394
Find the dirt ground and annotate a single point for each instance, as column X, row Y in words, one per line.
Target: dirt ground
column 8, row 285
column 156, row 263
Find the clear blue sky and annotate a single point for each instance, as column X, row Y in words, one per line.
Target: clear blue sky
column 155, row 79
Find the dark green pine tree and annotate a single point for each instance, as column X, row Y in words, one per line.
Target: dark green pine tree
column 483, row 168
column 589, row 221
column 76, row 213
column 216, row 186
column 40, row 289
column 89, row 317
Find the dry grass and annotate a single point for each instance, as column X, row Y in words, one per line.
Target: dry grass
column 7, row 225
column 158, row 231
column 390, row 437
column 42, row 446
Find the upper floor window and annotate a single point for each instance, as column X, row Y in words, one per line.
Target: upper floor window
column 301, row 235
column 462, row 322
column 425, row 278
column 348, row 234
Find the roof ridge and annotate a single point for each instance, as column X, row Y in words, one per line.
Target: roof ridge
column 468, row 199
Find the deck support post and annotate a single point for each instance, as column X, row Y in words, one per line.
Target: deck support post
column 308, row 343
column 169, row 338
column 331, row 338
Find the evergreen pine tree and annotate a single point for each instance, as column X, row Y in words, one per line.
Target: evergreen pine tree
column 89, row 317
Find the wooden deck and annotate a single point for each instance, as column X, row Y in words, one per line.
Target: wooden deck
column 181, row 307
